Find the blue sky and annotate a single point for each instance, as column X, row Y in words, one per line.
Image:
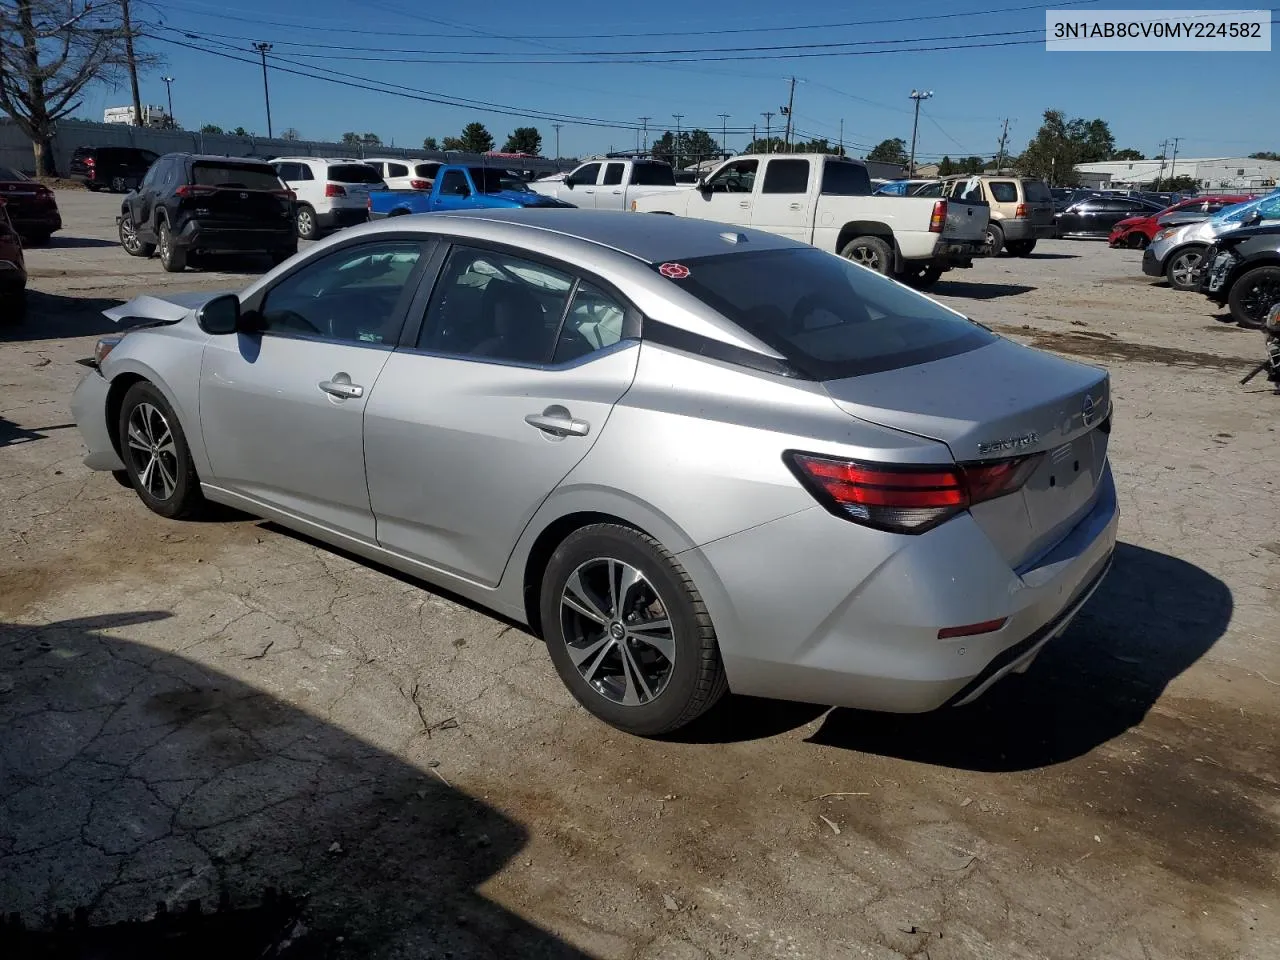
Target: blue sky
column 1146, row 97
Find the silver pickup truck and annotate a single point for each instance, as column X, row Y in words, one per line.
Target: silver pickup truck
column 826, row 201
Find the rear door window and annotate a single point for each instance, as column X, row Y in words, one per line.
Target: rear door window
column 1003, row 191
column 353, row 173
column 786, row 176
column 234, row 175
column 613, row 174
column 845, row 179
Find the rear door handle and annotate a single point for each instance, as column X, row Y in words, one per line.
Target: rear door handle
column 795, row 206
column 341, row 387
column 558, row 424
column 744, row 204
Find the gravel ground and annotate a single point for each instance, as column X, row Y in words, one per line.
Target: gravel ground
column 188, row 710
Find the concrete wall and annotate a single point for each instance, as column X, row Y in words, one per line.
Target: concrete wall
column 15, row 148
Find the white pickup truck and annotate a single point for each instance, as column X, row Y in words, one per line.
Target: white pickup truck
column 609, row 184
column 826, row 201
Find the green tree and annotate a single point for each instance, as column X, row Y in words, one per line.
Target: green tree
column 1094, row 139
column 697, row 145
column 1061, row 143
column 291, row 133
column 353, row 139
column 475, row 139
column 1265, row 155
column 890, row 151
column 430, row 143
column 211, row 128
column 772, row 145
column 524, row 140
column 1128, row 153
column 240, row 132
column 970, row 165
column 945, row 167
column 1180, row 182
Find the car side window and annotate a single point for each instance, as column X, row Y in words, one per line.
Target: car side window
column 972, row 191
column 357, row 294
column 586, row 176
column 494, row 306
column 786, row 176
column 150, row 179
column 736, row 177
column 594, row 321
column 1003, row 191
column 455, row 184
column 396, row 170
column 613, row 174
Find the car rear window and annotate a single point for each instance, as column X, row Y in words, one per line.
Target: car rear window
column 652, row 175
column 8, row 173
column 353, row 173
column 235, row 175
column 845, row 179
column 1003, row 191
column 426, row 170
column 1036, row 191
column 828, row 317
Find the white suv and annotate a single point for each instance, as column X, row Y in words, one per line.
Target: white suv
column 401, row 174
column 331, row 193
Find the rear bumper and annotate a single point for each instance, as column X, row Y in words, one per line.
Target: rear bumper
column 342, row 217
column 89, row 408
column 956, row 253
column 864, row 632
column 1026, row 230
column 38, row 225
column 13, row 278
column 206, row 237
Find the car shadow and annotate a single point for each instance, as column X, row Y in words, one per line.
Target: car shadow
column 1153, row 617
column 1051, row 256
column 978, row 291
column 140, row 785
column 59, row 240
column 11, row 434
column 51, row 316
column 738, row 719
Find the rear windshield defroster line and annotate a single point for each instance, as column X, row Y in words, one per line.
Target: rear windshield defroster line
column 828, row 317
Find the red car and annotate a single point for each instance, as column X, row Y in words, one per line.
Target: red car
column 1136, row 232
column 13, row 270
column 32, row 207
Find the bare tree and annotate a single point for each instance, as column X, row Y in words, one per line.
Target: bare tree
column 50, row 50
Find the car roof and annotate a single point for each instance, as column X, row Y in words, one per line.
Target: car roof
column 217, row 158
column 653, row 238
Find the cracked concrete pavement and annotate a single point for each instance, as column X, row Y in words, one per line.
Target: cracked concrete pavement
column 193, row 709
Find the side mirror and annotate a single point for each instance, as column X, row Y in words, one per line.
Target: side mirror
column 702, row 186
column 1253, row 219
column 570, row 182
column 220, row 315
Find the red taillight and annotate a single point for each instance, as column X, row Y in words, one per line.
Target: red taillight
column 938, row 219
column 90, row 162
column 419, row 184
column 906, row 499
column 192, row 190
column 1020, row 210
column 368, row 204
column 334, row 190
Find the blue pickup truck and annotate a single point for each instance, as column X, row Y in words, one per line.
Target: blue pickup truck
column 460, row 188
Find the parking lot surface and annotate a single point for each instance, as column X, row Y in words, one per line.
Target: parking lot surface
column 198, row 710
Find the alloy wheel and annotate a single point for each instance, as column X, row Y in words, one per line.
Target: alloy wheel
column 1184, row 268
column 305, row 224
column 164, row 243
column 153, row 451
column 617, row 631
column 1259, row 297
column 129, row 235
column 867, row 257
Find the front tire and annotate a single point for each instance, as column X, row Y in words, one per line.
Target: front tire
column 172, row 258
column 628, row 632
column 156, row 454
column 308, row 227
column 1253, row 294
column 870, row 252
column 1181, row 269
column 130, row 240
column 1020, row 248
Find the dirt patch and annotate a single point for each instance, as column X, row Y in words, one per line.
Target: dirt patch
column 1108, row 347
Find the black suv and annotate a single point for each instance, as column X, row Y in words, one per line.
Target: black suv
column 117, row 169
column 190, row 205
column 1242, row 272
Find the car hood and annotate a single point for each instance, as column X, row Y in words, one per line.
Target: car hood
column 170, row 308
column 1129, row 222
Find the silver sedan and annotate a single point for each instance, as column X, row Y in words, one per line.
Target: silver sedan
column 693, row 458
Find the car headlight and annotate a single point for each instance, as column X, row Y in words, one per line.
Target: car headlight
column 1167, row 232
column 104, row 346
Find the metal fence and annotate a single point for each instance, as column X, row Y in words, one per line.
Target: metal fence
column 15, row 147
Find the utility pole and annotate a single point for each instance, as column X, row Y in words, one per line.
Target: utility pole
column 131, row 60
column 767, row 138
column 1173, row 164
column 1004, row 136
column 724, row 126
column 841, row 136
column 1164, row 155
column 678, row 117
column 557, row 126
column 263, row 48
column 168, row 86
column 752, row 148
column 917, row 96
column 645, row 121
column 791, row 99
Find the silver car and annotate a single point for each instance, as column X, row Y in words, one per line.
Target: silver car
column 691, row 457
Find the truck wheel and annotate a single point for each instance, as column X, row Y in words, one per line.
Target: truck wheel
column 1020, row 248
column 1183, row 269
column 921, row 276
column 308, row 229
column 1253, row 294
column 870, row 252
column 172, row 258
column 994, row 239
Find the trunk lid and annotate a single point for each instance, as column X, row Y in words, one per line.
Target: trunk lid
column 238, row 193
column 1002, row 400
column 1039, row 202
column 965, row 220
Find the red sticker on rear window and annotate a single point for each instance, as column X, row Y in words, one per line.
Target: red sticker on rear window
column 674, row 271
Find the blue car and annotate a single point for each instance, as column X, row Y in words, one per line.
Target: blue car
column 460, row 188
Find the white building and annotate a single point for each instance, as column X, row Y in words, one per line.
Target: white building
column 1209, row 173
column 152, row 116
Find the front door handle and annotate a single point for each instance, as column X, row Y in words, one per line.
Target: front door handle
column 557, row 422
column 795, row 206
column 341, row 387
column 744, row 204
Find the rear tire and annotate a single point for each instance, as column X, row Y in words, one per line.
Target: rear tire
column 1020, row 248
column 1181, row 270
column 172, row 258
column 1253, row 294
column 308, row 228
column 156, row 454
column 870, row 252
column 994, row 239
column 920, row 277
column 628, row 632
column 1137, row 241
